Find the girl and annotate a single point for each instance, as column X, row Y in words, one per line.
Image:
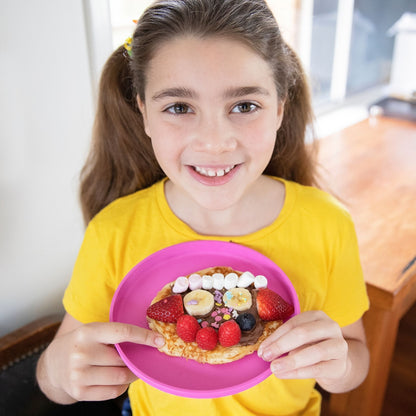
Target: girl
column 199, row 134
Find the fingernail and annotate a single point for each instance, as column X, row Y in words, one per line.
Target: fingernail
column 159, row 341
column 266, row 354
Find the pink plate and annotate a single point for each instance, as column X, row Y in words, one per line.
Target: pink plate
column 179, row 376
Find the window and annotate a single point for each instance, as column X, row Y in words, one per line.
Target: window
column 371, row 47
column 322, row 48
column 350, row 49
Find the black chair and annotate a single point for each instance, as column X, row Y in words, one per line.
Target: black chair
column 19, row 392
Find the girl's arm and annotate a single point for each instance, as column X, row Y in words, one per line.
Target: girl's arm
column 81, row 362
column 317, row 347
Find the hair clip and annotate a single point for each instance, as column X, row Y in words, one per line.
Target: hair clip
column 127, row 46
column 127, row 43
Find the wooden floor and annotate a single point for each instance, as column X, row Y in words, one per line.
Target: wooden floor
column 401, row 391
column 400, row 398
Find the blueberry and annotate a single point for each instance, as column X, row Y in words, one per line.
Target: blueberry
column 246, row 321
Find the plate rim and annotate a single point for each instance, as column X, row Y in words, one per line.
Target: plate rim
column 186, row 392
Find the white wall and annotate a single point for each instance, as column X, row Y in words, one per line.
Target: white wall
column 46, row 112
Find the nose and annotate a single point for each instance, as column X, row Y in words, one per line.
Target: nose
column 214, row 135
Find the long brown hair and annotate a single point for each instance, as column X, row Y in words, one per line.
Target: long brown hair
column 121, row 159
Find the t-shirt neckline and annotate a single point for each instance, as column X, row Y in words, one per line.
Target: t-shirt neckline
column 181, row 227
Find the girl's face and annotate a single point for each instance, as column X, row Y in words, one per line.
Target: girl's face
column 212, row 112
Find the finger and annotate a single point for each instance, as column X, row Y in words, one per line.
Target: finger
column 325, row 369
column 328, row 350
column 116, row 332
column 105, row 355
column 304, row 334
column 303, row 318
column 98, row 393
column 102, row 376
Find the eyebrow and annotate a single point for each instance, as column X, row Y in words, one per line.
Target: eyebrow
column 243, row 91
column 175, row 92
column 181, row 92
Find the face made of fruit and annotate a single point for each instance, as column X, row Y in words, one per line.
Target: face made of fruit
column 226, row 313
column 211, row 110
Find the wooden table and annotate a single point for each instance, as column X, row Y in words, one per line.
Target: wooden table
column 371, row 167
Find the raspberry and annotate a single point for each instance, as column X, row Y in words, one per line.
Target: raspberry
column 229, row 334
column 207, row 338
column 186, row 327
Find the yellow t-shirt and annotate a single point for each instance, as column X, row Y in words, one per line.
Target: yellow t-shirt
column 313, row 241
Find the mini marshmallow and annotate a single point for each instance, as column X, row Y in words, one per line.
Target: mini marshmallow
column 218, row 281
column 245, row 280
column 260, row 282
column 207, row 282
column 195, row 281
column 181, row 285
column 230, row 281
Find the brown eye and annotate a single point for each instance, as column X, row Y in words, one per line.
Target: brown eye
column 178, row 108
column 244, row 107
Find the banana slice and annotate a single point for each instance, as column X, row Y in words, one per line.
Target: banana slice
column 237, row 298
column 198, row 302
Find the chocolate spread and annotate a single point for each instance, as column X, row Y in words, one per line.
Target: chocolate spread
column 221, row 313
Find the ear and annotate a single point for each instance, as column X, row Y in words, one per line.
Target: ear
column 280, row 113
column 142, row 108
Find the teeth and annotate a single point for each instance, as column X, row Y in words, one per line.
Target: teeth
column 201, row 171
column 212, row 172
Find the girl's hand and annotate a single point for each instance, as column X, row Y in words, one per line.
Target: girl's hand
column 316, row 347
column 83, row 364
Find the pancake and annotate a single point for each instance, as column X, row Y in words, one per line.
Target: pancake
column 176, row 347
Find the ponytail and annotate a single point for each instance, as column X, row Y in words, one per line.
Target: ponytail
column 293, row 159
column 121, row 158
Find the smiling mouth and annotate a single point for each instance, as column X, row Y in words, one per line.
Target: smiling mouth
column 213, row 172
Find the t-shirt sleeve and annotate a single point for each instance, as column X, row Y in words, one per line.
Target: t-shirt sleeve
column 346, row 299
column 89, row 293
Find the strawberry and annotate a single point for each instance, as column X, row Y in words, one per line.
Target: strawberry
column 272, row 307
column 207, row 338
column 186, row 327
column 166, row 310
column 229, row 333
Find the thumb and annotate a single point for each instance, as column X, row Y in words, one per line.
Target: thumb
column 117, row 332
